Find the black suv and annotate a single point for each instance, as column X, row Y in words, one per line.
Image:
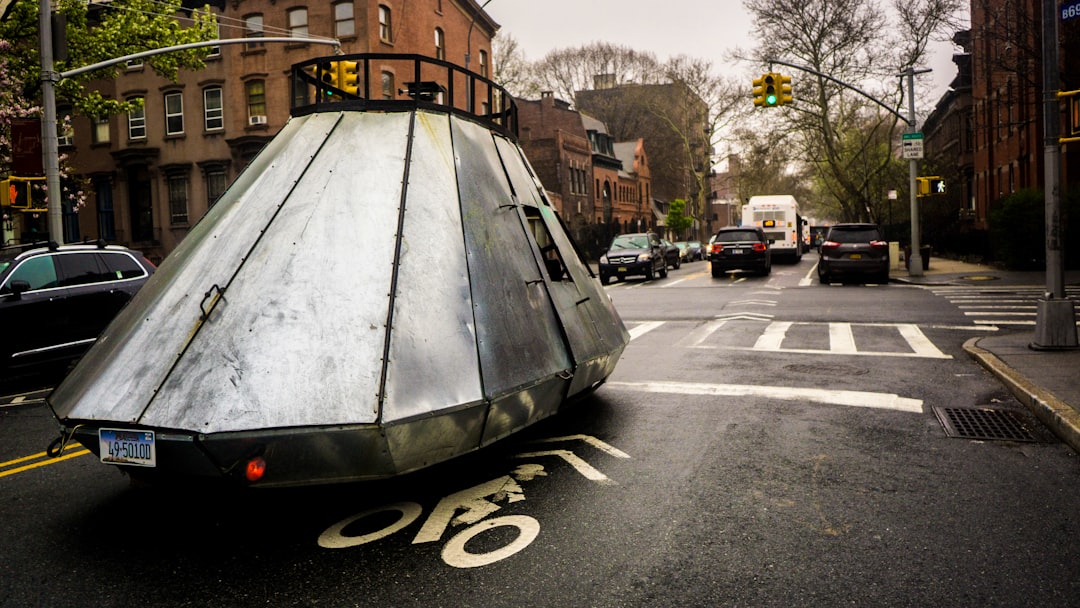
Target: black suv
column 854, row 250
column 740, row 248
column 55, row 300
column 638, row 253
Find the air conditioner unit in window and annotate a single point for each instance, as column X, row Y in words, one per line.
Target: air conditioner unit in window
column 257, row 119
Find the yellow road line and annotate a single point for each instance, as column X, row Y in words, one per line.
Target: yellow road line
column 79, row 451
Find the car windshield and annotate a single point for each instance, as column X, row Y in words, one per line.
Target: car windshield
column 681, row 244
column 630, row 242
column 853, row 235
column 695, row 243
column 736, row 236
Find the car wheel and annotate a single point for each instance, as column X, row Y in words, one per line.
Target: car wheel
column 605, row 278
column 649, row 273
column 663, row 272
column 766, row 271
column 883, row 279
column 824, row 279
column 678, row 263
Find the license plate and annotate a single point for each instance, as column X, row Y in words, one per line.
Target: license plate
column 856, row 256
column 735, row 251
column 622, row 268
column 127, row 447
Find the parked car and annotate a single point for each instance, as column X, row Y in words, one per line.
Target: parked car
column 854, row 251
column 740, row 248
column 632, row 254
column 696, row 250
column 55, row 300
column 671, row 254
column 684, row 250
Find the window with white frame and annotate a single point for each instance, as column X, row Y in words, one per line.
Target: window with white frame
column 174, row 113
column 298, row 23
column 344, row 22
column 178, row 198
column 137, row 121
column 483, row 63
column 213, row 109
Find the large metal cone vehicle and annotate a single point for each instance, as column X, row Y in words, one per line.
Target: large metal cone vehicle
column 383, row 288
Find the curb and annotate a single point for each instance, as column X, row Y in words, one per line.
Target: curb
column 1062, row 419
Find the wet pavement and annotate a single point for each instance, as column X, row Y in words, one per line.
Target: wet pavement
column 1047, row 381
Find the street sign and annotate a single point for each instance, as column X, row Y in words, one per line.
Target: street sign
column 1070, row 10
column 912, row 145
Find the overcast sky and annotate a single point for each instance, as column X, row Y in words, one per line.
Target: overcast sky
column 707, row 29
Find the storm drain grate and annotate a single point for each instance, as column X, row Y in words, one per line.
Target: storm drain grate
column 984, row 423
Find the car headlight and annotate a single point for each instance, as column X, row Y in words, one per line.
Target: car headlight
column 603, row 259
column 645, row 257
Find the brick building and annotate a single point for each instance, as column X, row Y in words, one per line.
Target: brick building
column 155, row 172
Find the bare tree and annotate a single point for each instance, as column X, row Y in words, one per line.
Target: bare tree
column 510, row 68
column 566, row 71
column 852, row 41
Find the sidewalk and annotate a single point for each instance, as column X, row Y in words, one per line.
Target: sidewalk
column 1046, row 381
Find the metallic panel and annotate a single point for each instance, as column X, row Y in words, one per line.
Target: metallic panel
column 299, row 335
column 116, row 379
column 433, row 361
column 514, row 411
column 518, row 334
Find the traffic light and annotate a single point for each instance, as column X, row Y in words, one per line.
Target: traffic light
column 785, row 90
column 329, row 74
column 766, row 90
column 929, row 186
column 759, row 91
column 348, row 77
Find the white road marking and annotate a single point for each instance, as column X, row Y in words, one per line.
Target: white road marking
column 841, row 340
column 888, row 401
column 758, row 302
column 919, row 342
column 455, row 554
column 699, row 335
column 809, row 278
column 640, row 330
column 773, row 335
column 992, row 307
column 1006, row 314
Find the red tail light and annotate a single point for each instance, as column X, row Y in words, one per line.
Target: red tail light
column 879, row 244
column 759, row 246
column 255, row 469
column 827, row 245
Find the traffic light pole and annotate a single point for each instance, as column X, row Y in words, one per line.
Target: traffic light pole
column 915, row 268
column 1055, row 320
column 914, row 261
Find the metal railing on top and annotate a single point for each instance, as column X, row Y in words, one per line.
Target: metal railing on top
column 387, row 82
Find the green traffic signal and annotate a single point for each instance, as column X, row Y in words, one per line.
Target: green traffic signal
column 770, row 89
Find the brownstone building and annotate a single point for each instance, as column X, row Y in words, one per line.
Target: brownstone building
column 155, row 172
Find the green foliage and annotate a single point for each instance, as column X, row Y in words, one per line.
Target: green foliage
column 677, row 220
column 112, row 30
column 1017, row 230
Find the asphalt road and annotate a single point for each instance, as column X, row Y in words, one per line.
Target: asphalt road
column 764, row 441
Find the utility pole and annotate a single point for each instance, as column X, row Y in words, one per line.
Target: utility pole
column 1055, row 320
column 49, row 145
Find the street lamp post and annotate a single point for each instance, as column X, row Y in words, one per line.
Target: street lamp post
column 468, row 37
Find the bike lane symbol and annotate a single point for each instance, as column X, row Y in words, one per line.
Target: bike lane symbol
column 469, row 508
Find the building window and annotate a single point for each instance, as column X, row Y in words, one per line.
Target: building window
column 386, row 30
column 298, row 23
column 215, row 51
column 215, row 185
column 440, row 44
column 178, row 199
column 213, row 111
column 256, row 98
column 105, row 217
column 137, row 121
column 344, row 25
column 99, row 130
column 387, row 85
column 174, row 113
column 483, row 64
column 253, row 28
